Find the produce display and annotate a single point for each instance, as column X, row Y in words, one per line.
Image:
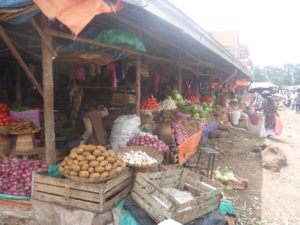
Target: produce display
column 22, row 126
column 190, row 126
column 165, row 116
column 223, row 100
column 177, row 97
column 150, row 141
column 182, row 115
column 15, row 175
column 193, row 99
column 168, row 104
column 5, row 118
column 207, row 99
column 137, row 158
column 89, row 161
column 20, row 108
column 179, row 132
column 150, row 104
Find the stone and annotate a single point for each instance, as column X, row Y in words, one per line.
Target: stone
column 273, row 159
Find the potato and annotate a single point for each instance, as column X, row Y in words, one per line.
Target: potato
column 61, row 169
column 67, row 172
column 79, row 151
column 108, row 167
column 63, row 163
column 76, row 162
column 99, row 169
column 101, row 148
column 119, row 169
column 95, row 175
column 90, row 157
column 106, row 154
column 113, row 154
column 75, row 168
column 70, row 162
column 103, row 163
column 84, row 174
column 85, row 167
column 104, row 175
column 80, row 158
column 91, row 170
column 94, row 163
column 83, row 162
column 86, row 153
column 90, row 148
column 100, row 158
column 66, row 167
column 82, row 146
column 73, row 155
column 73, row 173
column 115, row 165
column 120, row 163
column 97, row 153
column 110, row 159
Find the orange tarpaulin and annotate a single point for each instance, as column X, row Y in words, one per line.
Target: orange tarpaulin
column 241, row 83
column 189, row 147
column 75, row 14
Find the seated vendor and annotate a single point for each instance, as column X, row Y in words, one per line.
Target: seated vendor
column 94, row 133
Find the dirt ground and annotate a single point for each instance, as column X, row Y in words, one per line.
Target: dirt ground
column 271, row 198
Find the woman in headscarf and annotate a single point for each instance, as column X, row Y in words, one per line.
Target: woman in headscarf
column 270, row 112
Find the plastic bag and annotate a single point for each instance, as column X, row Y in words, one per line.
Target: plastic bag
column 278, row 126
column 124, row 128
column 235, row 117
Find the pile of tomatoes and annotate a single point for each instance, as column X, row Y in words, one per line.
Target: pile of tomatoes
column 223, row 100
column 150, row 103
column 193, row 99
column 5, row 119
column 207, row 99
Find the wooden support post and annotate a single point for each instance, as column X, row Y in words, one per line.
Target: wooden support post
column 18, row 87
column 47, row 63
column 138, row 85
column 43, row 37
column 179, row 78
column 14, row 51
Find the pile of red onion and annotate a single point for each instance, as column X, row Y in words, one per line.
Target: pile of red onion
column 15, row 175
column 149, row 141
column 180, row 133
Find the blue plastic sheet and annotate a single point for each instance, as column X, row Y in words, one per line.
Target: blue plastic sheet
column 208, row 129
column 126, row 217
column 14, row 3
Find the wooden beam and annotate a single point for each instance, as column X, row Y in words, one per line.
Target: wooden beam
column 43, row 37
column 14, row 51
column 48, row 100
column 138, row 85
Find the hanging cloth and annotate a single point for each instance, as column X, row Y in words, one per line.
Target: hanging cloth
column 112, row 68
column 120, row 70
column 155, row 82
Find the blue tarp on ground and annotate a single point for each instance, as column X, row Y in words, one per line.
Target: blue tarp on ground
column 14, row 3
column 208, row 129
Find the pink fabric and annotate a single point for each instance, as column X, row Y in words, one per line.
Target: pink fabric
column 278, row 126
column 112, row 68
column 75, row 14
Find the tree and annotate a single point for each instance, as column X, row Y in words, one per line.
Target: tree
column 258, row 75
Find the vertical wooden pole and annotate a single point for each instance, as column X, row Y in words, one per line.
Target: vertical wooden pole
column 179, row 78
column 138, row 84
column 18, row 87
column 48, row 99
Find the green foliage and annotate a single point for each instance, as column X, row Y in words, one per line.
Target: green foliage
column 288, row 74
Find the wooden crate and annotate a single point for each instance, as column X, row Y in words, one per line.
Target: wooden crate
column 120, row 99
column 149, row 194
column 87, row 196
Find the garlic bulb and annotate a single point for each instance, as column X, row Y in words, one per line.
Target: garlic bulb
column 138, row 158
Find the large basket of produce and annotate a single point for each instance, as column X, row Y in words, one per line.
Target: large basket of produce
column 93, row 164
column 142, row 159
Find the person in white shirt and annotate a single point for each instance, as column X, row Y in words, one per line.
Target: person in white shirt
column 293, row 97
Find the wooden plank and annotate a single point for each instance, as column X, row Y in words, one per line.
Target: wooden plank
column 48, row 94
column 138, row 85
column 111, row 203
column 67, row 192
column 15, row 53
column 38, row 178
column 118, row 188
column 117, row 180
column 73, row 203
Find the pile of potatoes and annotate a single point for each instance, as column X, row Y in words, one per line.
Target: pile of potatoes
column 89, row 161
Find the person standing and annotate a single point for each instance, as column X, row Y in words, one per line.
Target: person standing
column 270, row 113
column 297, row 102
column 293, row 97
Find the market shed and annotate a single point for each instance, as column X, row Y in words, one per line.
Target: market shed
column 168, row 36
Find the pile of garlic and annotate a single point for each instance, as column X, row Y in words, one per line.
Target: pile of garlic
column 137, row 158
column 168, row 104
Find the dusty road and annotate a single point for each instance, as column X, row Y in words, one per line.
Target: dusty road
column 271, row 198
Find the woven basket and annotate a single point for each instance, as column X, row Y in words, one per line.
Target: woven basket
column 164, row 129
column 151, row 152
column 4, row 144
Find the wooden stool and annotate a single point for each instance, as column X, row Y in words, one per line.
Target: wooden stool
column 211, row 159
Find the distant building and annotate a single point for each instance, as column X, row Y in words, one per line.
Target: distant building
column 230, row 40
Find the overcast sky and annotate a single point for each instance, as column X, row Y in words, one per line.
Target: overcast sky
column 271, row 29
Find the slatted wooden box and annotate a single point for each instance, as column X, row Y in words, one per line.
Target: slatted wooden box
column 120, row 99
column 87, row 196
column 148, row 192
